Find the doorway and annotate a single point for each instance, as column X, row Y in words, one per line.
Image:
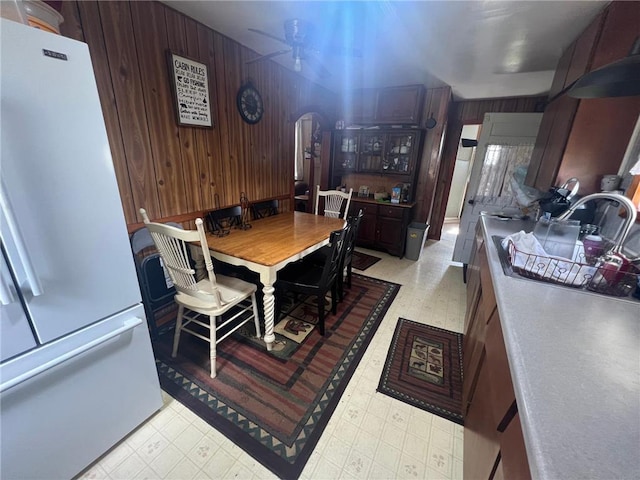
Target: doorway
column 505, row 145
column 461, row 174
column 308, row 135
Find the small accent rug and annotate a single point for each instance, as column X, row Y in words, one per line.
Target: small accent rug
column 362, row 261
column 424, row 369
column 276, row 408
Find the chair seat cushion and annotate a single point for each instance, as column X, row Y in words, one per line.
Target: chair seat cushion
column 231, row 289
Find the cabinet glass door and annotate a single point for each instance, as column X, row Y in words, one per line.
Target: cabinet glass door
column 346, row 152
column 371, row 149
column 398, row 153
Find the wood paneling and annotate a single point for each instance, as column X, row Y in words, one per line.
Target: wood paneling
column 174, row 171
column 436, row 103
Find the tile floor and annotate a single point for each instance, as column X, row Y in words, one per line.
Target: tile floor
column 369, row 435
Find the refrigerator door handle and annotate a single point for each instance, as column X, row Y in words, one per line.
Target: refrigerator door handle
column 29, row 271
column 128, row 324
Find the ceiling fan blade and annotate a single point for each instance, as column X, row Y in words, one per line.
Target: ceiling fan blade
column 270, row 55
column 316, row 66
column 282, row 40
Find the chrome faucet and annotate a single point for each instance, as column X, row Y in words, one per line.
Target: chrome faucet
column 624, row 201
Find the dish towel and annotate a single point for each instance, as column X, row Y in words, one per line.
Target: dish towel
column 526, row 253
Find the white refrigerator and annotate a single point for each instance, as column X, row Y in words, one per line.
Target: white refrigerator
column 77, row 372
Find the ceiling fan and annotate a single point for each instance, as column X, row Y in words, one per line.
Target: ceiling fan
column 299, row 36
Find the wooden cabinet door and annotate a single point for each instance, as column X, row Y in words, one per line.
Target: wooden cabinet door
column 555, row 128
column 481, row 439
column 515, row 464
column 366, row 236
column 371, row 152
column 400, row 105
column 390, row 233
column 363, row 106
column 345, row 152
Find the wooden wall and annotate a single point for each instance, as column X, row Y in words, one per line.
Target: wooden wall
column 177, row 172
column 461, row 113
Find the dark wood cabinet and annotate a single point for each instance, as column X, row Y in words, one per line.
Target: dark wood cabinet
column 400, row 105
column 385, row 151
column 390, row 106
column 493, row 442
column 383, row 226
column 587, row 138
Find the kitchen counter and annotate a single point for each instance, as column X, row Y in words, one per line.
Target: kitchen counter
column 574, row 358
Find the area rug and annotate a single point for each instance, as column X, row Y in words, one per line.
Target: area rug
column 276, row 409
column 362, row 261
column 424, row 369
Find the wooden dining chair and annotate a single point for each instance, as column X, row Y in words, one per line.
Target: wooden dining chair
column 333, row 200
column 319, row 256
column 220, row 221
column 263, row 209
column 228, row 302
column 315, row 280
column 157, row 293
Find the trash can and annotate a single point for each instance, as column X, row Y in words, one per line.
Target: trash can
column 416, row 236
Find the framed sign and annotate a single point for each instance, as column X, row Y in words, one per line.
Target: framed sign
column 190, row 81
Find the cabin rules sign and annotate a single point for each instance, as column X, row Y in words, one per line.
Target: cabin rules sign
column 191, row 91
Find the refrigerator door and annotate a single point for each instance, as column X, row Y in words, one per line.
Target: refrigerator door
column 15, row 333
column 60, row 185
column 66, row 403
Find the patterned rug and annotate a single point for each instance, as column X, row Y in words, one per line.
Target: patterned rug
column 277, row 408
column 424, row 369
column 362, row 261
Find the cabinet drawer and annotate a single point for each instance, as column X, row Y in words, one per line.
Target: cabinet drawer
column 515, row 463
column 367, row 208
column 393, row 212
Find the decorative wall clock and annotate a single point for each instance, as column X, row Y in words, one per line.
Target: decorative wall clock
column 250, row 104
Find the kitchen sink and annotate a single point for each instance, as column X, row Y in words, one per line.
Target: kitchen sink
column 509, row 271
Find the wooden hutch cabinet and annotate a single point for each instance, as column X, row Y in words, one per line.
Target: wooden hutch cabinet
column 383, row 157
column 383, row 226
column 386, row 106
column 383, row 151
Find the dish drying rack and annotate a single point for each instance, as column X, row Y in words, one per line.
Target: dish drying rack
column 577, row 273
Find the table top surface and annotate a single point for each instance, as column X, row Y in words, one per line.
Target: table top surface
column 274, row 239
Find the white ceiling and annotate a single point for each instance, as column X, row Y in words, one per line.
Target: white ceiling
column 483, row 49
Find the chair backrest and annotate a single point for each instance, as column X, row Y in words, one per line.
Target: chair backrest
column 141, row 239
column 173, row 245
column 264, row 209
column 354, row 221
column 221, row 220
column 333, row 262
column 333, row 200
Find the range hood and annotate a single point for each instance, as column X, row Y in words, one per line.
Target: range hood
column 618, row 79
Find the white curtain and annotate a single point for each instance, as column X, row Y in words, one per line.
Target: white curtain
column 500, row 161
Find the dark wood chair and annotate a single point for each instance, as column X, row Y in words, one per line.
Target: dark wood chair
column 347, row 261
column 220, row 221
column 311, row 279
column 318, row 257
column 263, row 209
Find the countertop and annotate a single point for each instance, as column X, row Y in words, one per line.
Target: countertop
column 574, row 358
column 370, row 199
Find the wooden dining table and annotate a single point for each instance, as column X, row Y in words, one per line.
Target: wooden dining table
column 268, row 246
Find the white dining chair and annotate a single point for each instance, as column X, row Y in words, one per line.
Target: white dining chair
column 333, row 200
column 223, row 299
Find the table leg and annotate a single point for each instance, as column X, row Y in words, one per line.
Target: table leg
column 268, row 278
column 198, row 258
